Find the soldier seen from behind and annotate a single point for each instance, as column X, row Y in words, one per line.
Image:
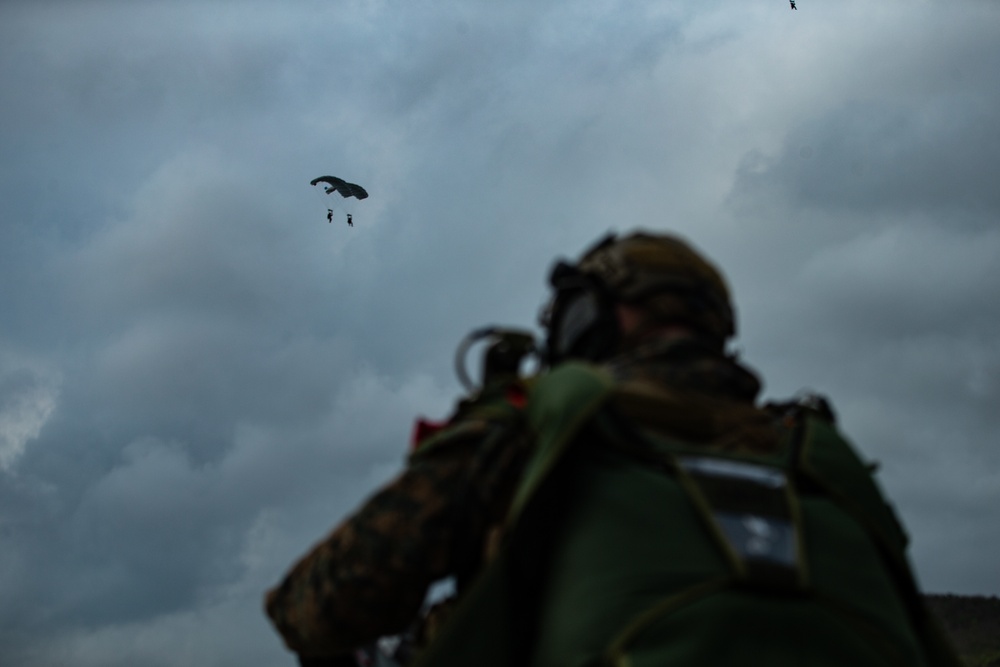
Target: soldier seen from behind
column 631, row 504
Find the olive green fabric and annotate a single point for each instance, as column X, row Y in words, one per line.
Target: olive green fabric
column 484, row 629
column 571, row 397
column 662, row 587
column 481, row 632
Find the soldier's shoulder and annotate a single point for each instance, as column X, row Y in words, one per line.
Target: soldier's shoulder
column 473, row 420
column 804, row 405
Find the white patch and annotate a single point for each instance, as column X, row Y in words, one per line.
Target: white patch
column 28, row 395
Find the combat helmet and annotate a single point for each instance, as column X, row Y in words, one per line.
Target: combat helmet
column 660, row 272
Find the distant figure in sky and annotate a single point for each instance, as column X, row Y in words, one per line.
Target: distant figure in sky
column 350, row 221
column 792, row 3
column 329, row 215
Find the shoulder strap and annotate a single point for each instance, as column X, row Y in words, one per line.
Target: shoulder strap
column 483, row 629
column 558, row 406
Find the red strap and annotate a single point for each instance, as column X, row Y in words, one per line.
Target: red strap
column 423, row 429
column 516, row 396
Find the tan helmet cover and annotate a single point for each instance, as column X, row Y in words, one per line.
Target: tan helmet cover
column 665, row 275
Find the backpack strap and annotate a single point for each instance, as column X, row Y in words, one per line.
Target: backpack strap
column 560, row 404
column 483, row 630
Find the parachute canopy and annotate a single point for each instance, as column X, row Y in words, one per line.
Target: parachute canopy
column 345, row 189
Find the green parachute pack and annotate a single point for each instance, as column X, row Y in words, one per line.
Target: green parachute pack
column 788, row 557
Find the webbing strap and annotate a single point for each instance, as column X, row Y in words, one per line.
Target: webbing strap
column 617, row 652
column 562, row 402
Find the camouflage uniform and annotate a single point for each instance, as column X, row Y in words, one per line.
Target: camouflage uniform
column 369, row 577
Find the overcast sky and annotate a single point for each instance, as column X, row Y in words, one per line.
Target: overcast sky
column 199, row 376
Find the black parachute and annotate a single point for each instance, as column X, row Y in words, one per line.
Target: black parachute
column 345, row 189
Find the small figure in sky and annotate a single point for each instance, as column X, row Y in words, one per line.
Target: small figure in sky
column 350, row 221
column 329, row 215
column 792, row 3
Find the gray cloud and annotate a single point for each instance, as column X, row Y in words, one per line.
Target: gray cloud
column 199, row 376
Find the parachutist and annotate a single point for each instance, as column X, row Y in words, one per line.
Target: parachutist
column 344, row 189
column 792, row 3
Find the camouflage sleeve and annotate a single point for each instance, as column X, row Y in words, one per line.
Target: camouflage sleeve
column 368, row 578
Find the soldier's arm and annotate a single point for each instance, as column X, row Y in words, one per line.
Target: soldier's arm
column 368, row 578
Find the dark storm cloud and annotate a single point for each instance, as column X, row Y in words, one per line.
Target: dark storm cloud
column 910, row 279
column 199, row 375
column 908, row 135
column 114, row 64
column 877, row 157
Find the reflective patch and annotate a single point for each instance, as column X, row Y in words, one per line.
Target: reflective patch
column 750, row 506
column 751, row 472
column 759, row 537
